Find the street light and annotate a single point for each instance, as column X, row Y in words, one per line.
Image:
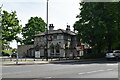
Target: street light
column 47, row 15
column 17, row 54
column 47, row 33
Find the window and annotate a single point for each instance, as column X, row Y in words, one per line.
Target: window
column 50, row 37
column 51, row 48
column 117, row 51
column 44, row 38
column 69, row 38
column 60, row 36
column 38, row 39
column 57, row 48
column 35, row 39
column 55, row 36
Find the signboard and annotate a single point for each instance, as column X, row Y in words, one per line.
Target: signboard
column 37, row 54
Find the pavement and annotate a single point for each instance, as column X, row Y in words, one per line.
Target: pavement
column 32, row 62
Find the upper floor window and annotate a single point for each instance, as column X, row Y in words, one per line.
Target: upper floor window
column 55, row 36
column 35, row 39
column 60, row 36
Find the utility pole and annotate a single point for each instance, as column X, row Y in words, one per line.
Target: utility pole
column 47, row 32
column 17, row 54
column 47, row 15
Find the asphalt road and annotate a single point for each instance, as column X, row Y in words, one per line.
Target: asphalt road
column 100, row 69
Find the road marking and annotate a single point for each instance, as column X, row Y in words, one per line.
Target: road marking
column 109, row 69
column 111, row 64
column 101, row 70
column 48, row 77
column 94, row 71
column 81, row 73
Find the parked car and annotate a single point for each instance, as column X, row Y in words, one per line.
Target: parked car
column 13, row 55
column 114, row 54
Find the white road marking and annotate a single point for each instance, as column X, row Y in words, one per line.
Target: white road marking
column 81, row 73
column 100, row 70
column 109, row 69
column 94, row 71
column 48, row 77
column 111, row 64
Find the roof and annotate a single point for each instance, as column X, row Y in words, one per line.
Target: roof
column 57, row 31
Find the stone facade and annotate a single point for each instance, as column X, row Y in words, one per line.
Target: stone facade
column 61, row 43
column 25, row 50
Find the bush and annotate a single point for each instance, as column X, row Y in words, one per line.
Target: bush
column 93, row 55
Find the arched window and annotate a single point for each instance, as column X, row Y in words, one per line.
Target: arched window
column 37, row 47
column 57, row 48
column 51, row 48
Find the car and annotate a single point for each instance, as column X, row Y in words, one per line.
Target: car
column 13, row 55
column 114, row 54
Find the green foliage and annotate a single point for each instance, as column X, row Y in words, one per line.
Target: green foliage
column 10, row 26
column 34, row 26
column 98, row 25
column 8, row 51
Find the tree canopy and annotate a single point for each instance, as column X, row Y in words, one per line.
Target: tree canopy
column 10, row 27
column 98, row 25
column 34, row 26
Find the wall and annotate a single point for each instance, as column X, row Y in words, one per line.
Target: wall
column 22, row 50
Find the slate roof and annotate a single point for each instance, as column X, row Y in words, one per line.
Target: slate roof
column 57, row 31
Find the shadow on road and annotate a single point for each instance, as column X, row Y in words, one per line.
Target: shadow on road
column 76, row 62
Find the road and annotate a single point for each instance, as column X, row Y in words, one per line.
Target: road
column 100, row 69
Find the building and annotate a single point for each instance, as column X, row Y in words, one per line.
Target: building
column 61, row 43
column 25, row 51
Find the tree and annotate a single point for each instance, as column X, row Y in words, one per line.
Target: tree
column 34, row 26
column 10, row 27
column 98, row 25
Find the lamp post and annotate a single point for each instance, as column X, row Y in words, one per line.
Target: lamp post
column 46, row 48
column 47, row 15
column 17, row 54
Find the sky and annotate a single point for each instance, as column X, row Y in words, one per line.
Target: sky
column 60, row 14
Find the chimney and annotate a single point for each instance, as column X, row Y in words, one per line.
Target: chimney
column 68, row 28
column 51, row 27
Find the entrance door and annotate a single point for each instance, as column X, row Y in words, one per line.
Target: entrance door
column 37, row 54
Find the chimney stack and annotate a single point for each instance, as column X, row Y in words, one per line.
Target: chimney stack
column 51, row 27
column 68, row 28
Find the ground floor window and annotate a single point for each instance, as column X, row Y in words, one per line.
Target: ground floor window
column 51, row 48
column 57, row 48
